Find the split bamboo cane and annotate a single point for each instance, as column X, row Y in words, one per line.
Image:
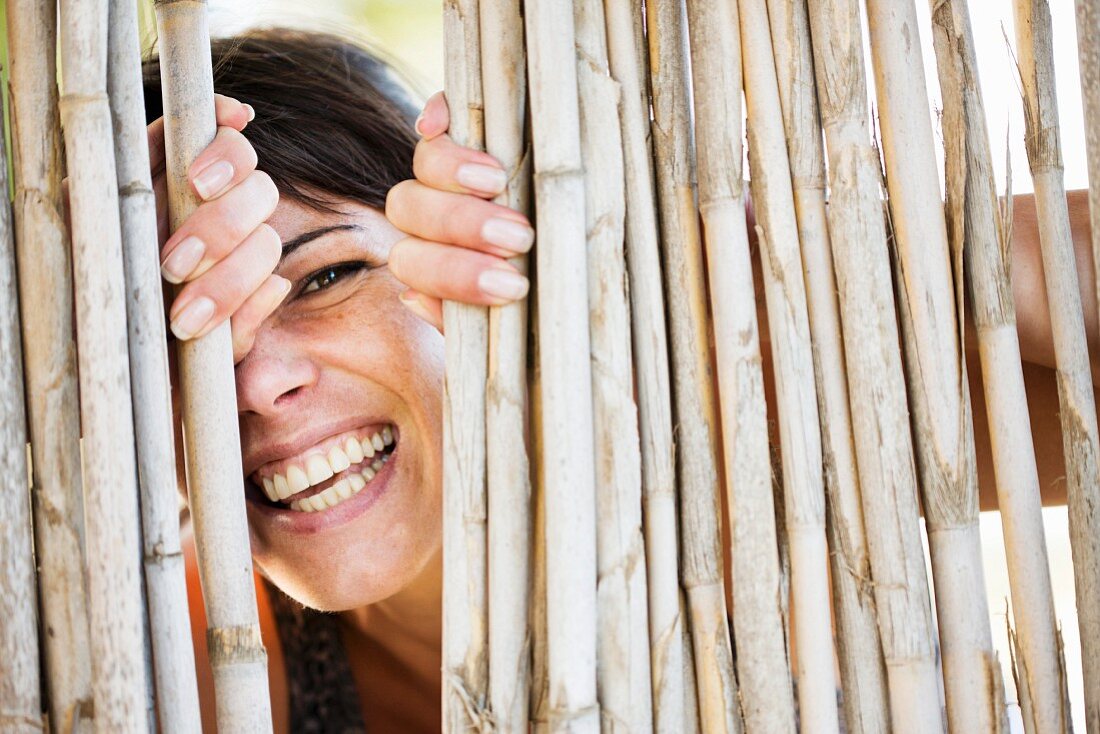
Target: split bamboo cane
column 1088, row 50
column 792, row 360
column 539, row 701
column 977, row 231
column 214, row 470
column 763, row 678
column 1076, row 399
column 110, row 467
column 932, row 330
column 465, row 662
column 508, row 474
column 20, row 699
column 862, row 674
column 49, row 354
column 884, row 450
column 565, row 371
column 628, row 62
column 623, row 680
column 169, row 620
column 693, row 396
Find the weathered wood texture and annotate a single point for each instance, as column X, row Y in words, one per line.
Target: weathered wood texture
column 465, row 631
column 565, row 369
column 880, row 422
column 628, row 63
column 49, row 356
column 623, row 679
column 207, row 386
column 1077, row 407
column 119, row 680
column 510, row 507
column 166, row 588
column 692, row 382
column 20, row 698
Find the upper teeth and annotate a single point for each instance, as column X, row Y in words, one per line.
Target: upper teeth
column 319, row 467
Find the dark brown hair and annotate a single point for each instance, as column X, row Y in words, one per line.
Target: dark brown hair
column 331, row 121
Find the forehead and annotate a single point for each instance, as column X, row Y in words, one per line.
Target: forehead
column 292, row 219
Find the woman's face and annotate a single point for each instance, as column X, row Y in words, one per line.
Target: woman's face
column 338, row 370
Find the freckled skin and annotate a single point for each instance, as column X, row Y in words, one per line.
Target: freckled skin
column 351, row 350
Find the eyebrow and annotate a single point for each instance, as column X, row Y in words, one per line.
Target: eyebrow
column 291, row 245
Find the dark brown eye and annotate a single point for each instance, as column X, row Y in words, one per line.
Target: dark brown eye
column 331, row 275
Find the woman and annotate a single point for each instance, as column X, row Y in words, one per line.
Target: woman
column 322, row 215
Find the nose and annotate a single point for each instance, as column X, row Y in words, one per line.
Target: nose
column 273, row 377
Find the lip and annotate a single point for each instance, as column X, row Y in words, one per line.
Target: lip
column 269, row 452
column 260, row 510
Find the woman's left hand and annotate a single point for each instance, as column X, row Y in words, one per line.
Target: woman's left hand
column 459, row 242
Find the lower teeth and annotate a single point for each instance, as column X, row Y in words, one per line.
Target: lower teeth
column 342, row 490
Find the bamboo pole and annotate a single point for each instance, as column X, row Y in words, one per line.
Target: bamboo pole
column 237, row 655
column 862, row 675
column 884, row 450
column 623, row 673
column 1088, row 50
column 628, row 61
column 976, row 230
column 465, row 662
column 20, row 699
column 758, row 622
column 110, row 469
column 46, row 304
column 1034, row 44
column 566, row 378
column 792, row 359
column 507, row 470
column 693, row 397
column 932, row 330
column 169, row 620
column 539, row 701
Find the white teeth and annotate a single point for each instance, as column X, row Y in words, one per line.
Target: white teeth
column 387, row 435
column 368, row 447
column 330, row 497
column 338, row 460
column 282, row 489
column 269, row 489
column 354, row 451
column 356, row 482
column 297, row 479
column 377, row 442
column 377, row 465
column 368, row 473
column 317, row 501
column 342, row 489
column 318, row 469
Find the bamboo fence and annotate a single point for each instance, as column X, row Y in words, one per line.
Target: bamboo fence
column 621, row 551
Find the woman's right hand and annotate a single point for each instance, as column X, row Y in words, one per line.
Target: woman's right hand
column 224, row 254
column 458, row 241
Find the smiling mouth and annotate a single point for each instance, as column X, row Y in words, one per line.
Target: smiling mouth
column 328, row 474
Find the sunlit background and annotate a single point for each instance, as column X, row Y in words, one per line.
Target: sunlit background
column 409, row 32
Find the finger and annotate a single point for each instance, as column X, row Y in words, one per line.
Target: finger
column 217, row 226
column 458, row 219
column 436, row 117
column 425, row 307
column 455, row 274
column 228, row 160
column 257, row 307
column 228, row 113
column 219, row 293
column 233, row 113
column 442, row 164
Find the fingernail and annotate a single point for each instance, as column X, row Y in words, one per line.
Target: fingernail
column 192, row 319
column 213, row 178
column 482, row 178
column 183, row 260
column 508, row 234
column 506, row 285
column 251, row 112
column 416, row 125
